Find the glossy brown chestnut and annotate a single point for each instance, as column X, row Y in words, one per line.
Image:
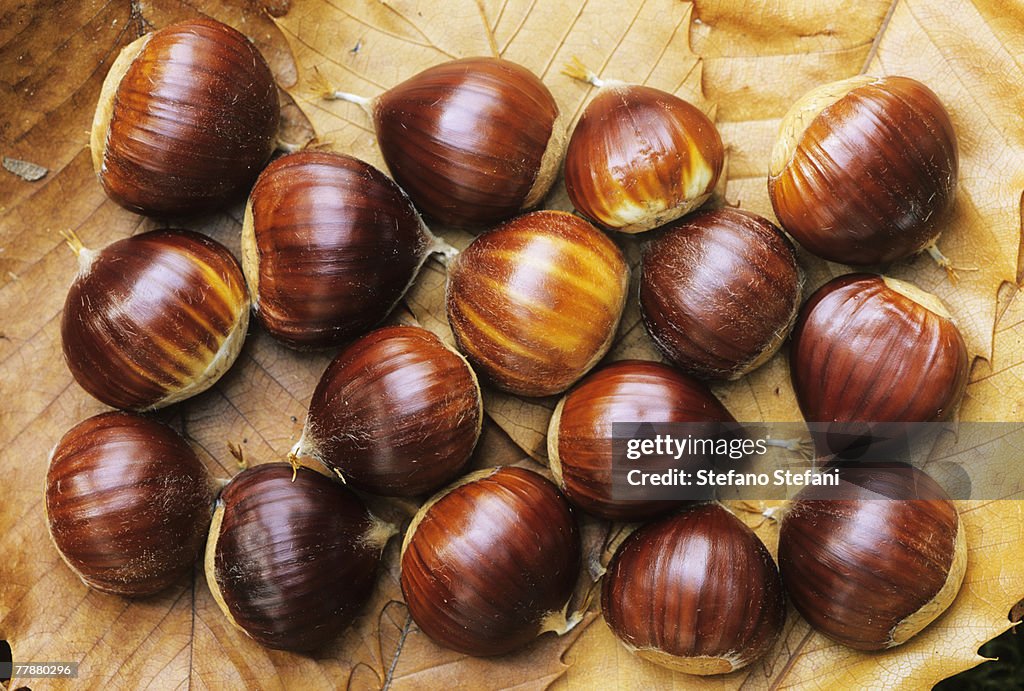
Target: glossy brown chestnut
column 640, row 157
column 291, row 562
column 873, row 349
column 697, row 592
column 490, row 563
column 719, row 292
column 397, row 413
column 581, row 430
column 878, row 560
column 127, row 503
column 153, row 319
column 864, row 170
column 329, row 246
column 186, row 118
column 473, row 141
column 534, row 303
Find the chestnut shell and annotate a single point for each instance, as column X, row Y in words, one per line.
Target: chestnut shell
column 719, row 292
column 872, row 178
column 396, row 413
column 291, row 562
column 127, row 503
column 697, row 592
column 640, row 157
column 487, row 562
column 192, row 119
column 330, row 245
column 534, row 303
column 580, row 435
column 878, row 560
column 473, row 141
column 154, row 318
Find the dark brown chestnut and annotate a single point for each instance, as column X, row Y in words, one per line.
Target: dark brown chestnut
column 396, row 413
column 329, row 246
column 697, row 592
column 473, row 141
column 186, row 118
column 490, row 563
column 534, row 303
column 864, row 170
column 719, row 292
column 639, row 157
column 580, row 436
column 878, row 560
column 153, row 319
column 127, row 503
column 292, row 560
column 873, row 349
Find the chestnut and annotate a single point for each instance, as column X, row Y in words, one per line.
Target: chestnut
column 186, row 118
column 639, row 157
column 874, row 349
column 580, row 435
column 534, row 303
column 473, row 141
column 490, row 563
column 292, row 560
column 127, row 503
column 396, row 413
column 696, row 592
column 864, row 170
column 877, row 560
column 719, row 292
column 329, row 245
column 153, row 319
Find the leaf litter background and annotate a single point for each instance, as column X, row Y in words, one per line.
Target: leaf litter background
column 744, row 63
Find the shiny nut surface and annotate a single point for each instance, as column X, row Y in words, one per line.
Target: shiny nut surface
column 534, row 303
column 640, row 157
column 127, row 503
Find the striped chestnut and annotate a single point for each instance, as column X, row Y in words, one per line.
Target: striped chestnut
column 696, row 592
column 719, row 292
column 491, row 562
column 581, row 431
column 877, row 560
column 127, row 503
column 864, row 170
column 329, row 246
column 153, row 319
column 640, row 157
column 473, row 141
column 534, row 303
column 292, row 559
column 873, row 349
column 186, row 118
column 396, row 413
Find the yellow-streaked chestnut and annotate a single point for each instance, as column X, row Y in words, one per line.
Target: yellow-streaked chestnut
column 490, row 563
column 186, row 118
column 473, row 141
column 696, row 592
column 580, row 435
column 874, row 349
column 719, row 292
column 153, row 319
column 329, row 246
column 292, row 560
column 864, row 170
column 534, row 303
column 396, row 413
column 640, row 157
column 877, row 560
column 127, row 503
